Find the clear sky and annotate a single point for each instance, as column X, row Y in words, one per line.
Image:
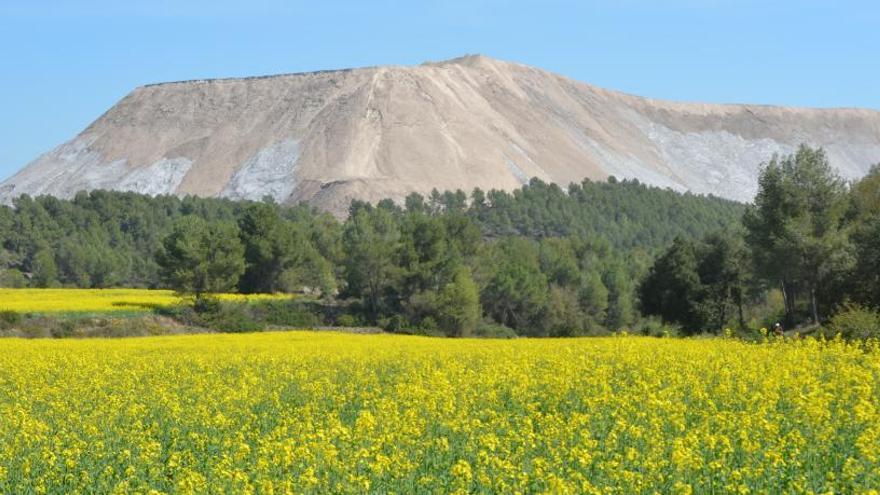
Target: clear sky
column 65, row 62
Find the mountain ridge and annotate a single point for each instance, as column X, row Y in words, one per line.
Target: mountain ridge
column 332, row 136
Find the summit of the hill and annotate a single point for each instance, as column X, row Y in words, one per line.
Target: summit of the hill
column 331, row 136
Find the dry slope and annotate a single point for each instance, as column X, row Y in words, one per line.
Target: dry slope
column 328, row 137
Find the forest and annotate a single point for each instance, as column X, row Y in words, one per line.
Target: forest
column 539, row 261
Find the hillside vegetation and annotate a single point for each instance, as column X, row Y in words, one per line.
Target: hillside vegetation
column 808, row 249
column 540, row 261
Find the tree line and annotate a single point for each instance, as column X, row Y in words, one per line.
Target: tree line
column 541, row 260
column 810, row 242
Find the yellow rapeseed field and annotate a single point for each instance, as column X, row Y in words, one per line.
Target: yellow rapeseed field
column 97, row 300
column 313, row 412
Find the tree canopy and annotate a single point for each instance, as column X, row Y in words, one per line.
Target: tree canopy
column 541, row 260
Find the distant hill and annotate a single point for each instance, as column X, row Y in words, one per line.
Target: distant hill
column 332, row 136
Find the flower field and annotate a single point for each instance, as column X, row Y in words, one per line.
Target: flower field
column 97, row 300
column 304, row 412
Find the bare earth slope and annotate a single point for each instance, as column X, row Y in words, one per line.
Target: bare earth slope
column 329, row 137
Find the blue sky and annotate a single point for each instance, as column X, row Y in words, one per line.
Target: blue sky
column 65, row 62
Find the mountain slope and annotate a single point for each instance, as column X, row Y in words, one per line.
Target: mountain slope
column 329, row 137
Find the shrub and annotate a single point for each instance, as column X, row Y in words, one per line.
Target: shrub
column 9, row 319
column 394, row 323
column 346, row 320
column 209, row 312
column 855, row 322
column 654, row 327
column 285, row 313
column 207, row 305
column 12, row 279
column 231, row 317
column 428, row 324
column 63, row 328
column 492, row 330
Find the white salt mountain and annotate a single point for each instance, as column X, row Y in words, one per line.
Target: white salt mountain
column 371, row 133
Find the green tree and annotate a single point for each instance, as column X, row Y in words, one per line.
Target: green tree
column 199, row 257
column 564, row 316
column 459, row 310
column 270, row 248
column 866, row 275
column 370, row 244
column 865, row 195
column 559, row 262
column 44, row 271
column 795, row 228
column 621, row 304
column 672, row 288
column 415, row 203
column 515, row 293
column 724, row 274
column 593, row 296
column 423, row 253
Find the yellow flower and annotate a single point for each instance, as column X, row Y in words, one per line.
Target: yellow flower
column 323, row 412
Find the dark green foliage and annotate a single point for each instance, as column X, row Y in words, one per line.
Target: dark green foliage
column 492, row 330
column 371, row 245
column 654, row 327
column 725, row 277
column 346, row 320
column 270, row 248
column 796, row 229
column 458, row 310
column 208, row 312
column 13, row 279
column 199, row 257
column 865, row 196
column 515, row 292
column 109, row 239
column 621, row 305
column 626, row 214
column 292, row 313
column 702, row 286
column 229, row 318
column 43, row 269
column 672, row 288
column 865, row 215
column 808, row 237
column 866, row 274
column 540, row 260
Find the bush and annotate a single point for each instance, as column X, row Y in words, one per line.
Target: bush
column 654, row 327
column 285, row 313
column 12, row 279
column 211, row 313
column 37, row 327
column 233, row 318
column 855, row 322
column 9, row 319
column 65, row 328
column 426, row 327
column 394, row 323
column 492, row 330
column 207, row 305
column 429, row 324
column 346, row 320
